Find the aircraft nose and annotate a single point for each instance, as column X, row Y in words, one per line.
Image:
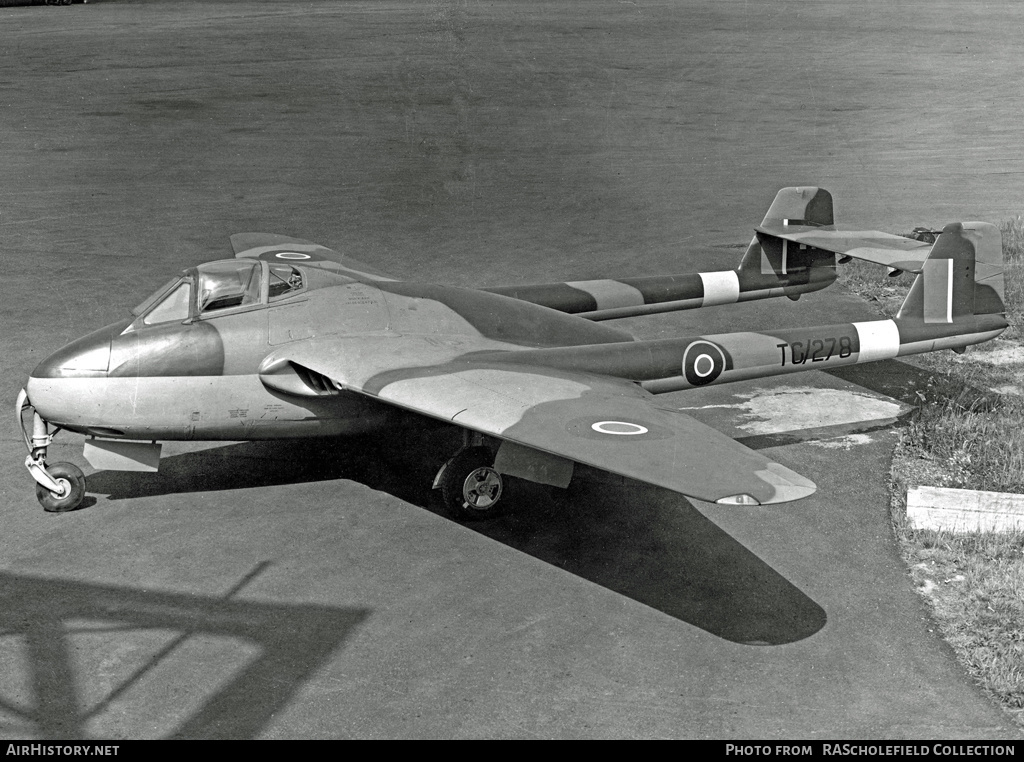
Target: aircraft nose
column 63, row 387
column 86, row 357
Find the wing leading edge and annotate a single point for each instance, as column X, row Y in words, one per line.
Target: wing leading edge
column 595, row 420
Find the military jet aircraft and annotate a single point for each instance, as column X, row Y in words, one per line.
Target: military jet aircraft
column 290, row 339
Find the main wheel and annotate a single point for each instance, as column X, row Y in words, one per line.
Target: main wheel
column 72, row 483
column 470, row 487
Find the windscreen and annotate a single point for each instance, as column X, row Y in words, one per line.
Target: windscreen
column 152, row 298
column 175, row 306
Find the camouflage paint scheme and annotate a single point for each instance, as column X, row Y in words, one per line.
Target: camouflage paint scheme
column 758, row 277
column 338, row 353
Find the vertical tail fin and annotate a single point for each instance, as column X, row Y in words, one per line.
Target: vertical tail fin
column 963, row 275
column 769, row 255
column 805, row 205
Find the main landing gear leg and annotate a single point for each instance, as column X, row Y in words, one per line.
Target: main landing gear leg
column 60, row 487
column 470, row 487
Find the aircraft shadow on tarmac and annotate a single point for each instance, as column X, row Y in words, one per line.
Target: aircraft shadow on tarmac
column 643, row 542
column 138, row 642
column 907, row 383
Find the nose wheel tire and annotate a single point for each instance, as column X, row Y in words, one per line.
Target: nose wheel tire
column 71, row 480
column 470, row 487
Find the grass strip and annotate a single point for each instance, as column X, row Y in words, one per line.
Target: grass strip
column 966, row 432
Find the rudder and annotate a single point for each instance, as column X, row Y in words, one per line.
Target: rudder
column 963, row 275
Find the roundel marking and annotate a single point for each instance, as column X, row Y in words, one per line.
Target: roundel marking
column 703, row 365
column 291, row 255
column 703, row 362
column 619, row 428
column 622, row 431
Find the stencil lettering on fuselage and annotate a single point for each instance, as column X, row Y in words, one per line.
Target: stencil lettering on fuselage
column 351, row 308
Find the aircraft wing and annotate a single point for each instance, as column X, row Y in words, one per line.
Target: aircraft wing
column 282, row 248
column 603, row 422
column 870, row 245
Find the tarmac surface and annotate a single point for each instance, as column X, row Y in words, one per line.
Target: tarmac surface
column 315, row 589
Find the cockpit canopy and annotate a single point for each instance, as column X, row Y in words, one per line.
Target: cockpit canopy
column 218, row 288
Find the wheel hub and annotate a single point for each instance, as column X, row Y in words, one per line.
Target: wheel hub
column 482, row 488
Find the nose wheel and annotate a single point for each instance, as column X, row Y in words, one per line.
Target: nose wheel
column 60, row 487
column 71, row 485
column 470, row 487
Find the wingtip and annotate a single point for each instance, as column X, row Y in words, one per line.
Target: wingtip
column 781, row 485
column 787, row 485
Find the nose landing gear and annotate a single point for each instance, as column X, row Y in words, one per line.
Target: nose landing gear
column 60, row 487
column 70, row 483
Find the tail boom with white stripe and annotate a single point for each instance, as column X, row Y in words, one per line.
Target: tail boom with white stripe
column 948, row 307
column 762, row 274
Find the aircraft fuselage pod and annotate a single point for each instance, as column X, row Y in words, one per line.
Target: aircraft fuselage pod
column 186, row 366
column 196, row 362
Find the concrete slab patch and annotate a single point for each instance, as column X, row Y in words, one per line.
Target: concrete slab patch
column 997, row 353
column 845, row 442
column 781, row 410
